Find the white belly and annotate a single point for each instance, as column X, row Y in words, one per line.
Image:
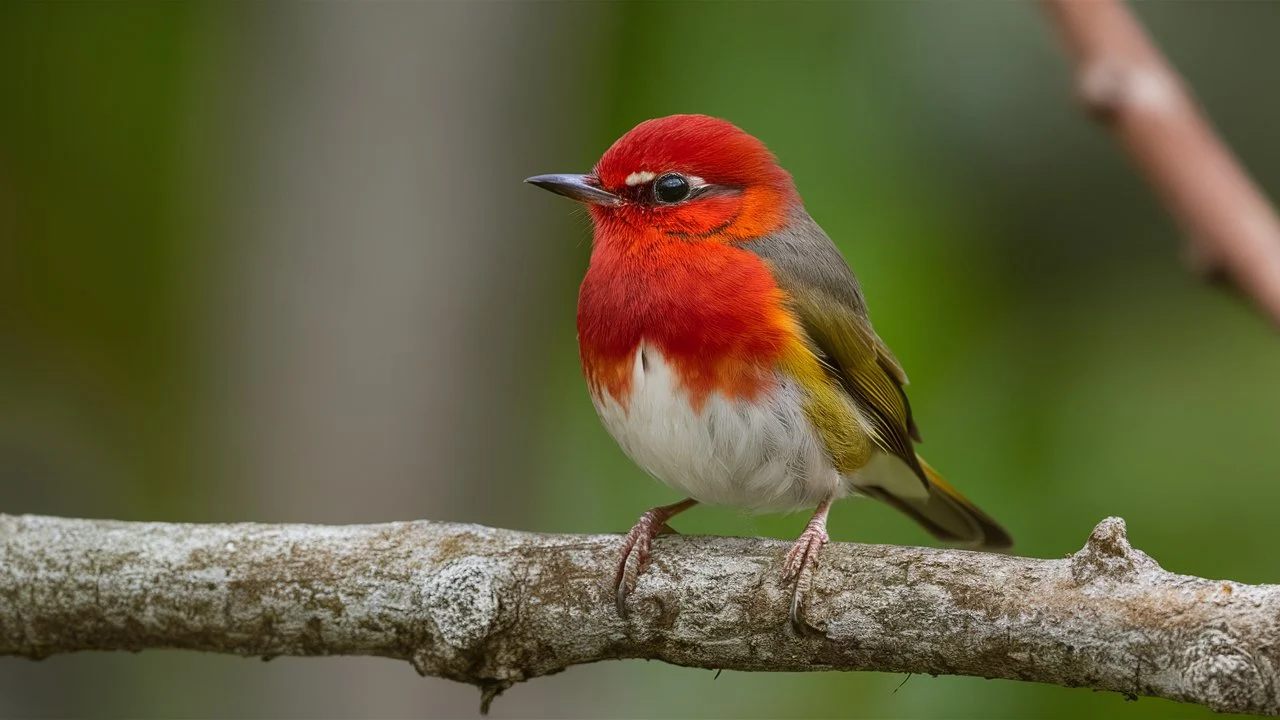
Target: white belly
column 761, row 456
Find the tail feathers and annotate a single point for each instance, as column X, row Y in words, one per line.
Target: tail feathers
column 946, row 514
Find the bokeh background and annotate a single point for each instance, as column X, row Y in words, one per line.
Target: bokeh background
column 274, row 262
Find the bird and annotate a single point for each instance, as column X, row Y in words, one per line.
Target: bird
column 727, row 348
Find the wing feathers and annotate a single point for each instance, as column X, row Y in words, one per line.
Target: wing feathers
column 825, row 298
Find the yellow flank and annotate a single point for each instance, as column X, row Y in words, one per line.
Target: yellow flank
column 828, row 407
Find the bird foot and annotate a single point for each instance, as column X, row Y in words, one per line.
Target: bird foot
column 638, row 546
column 801, row 564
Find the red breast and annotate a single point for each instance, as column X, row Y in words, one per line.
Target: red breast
column 712, row 310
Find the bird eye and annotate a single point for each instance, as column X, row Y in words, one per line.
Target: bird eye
column 671, row 188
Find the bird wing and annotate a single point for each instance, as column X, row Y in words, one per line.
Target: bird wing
column 825, row 297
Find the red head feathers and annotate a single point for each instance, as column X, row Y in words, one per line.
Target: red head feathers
column 692, row 177
column 706, row 147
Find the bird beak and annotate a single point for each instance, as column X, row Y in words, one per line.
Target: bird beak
column 583, row 188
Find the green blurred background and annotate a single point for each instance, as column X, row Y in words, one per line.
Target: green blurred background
column 274, row 262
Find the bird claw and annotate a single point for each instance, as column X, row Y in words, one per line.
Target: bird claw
column 634, row 546
column 620, row 599
column 804, row 553
column 799, row 622
column 800, row 565
column 637, row 546
column 636, row 549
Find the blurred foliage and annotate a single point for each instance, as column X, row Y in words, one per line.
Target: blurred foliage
column 1064, row 366
column 90, row 296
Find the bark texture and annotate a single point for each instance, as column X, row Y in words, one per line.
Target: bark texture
column 494, row 607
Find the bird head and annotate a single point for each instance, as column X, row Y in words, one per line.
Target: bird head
column 688, row 177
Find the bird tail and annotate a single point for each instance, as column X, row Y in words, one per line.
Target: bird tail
column 946, row 514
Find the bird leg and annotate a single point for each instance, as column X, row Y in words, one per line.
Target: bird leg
column 802, row 563
column 638, row 544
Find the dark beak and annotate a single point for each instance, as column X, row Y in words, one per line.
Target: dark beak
column 582, row 188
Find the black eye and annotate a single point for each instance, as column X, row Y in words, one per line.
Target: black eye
column 671, row 188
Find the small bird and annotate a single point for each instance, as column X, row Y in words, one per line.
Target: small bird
column 727, row 347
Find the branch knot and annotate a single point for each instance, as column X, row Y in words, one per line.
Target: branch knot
column 1108, row 555
column 1109, row 86
column 463, row 600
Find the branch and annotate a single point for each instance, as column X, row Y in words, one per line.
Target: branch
column 1126, row 83
column 493, row 607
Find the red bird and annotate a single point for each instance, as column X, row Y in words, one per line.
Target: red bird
column 728, row 350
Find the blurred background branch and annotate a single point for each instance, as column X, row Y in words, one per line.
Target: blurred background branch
column 494, row 607
column 1126, row 82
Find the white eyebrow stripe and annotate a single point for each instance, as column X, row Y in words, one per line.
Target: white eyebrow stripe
column 639, row 178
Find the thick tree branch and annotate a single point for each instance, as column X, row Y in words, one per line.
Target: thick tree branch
column 1124, row 81
column 493, row 607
